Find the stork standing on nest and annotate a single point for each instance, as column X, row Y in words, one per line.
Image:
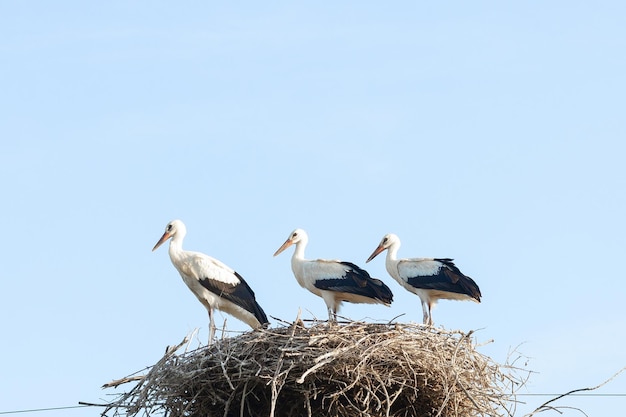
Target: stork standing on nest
column 334, row 281
column 216, row 285
column 430, row 279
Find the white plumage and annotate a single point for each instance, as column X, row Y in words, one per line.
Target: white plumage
column 430, row 279
column 216, row 285
column 332, row 280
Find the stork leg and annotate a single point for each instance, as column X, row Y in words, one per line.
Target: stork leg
column 426, row 310
column 331, row 305
column 430, row 314
column 211, row 327
column 332, row 316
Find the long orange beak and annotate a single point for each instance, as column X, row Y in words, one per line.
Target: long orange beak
column 285, row 245
column 165, row 236
column 378, row 250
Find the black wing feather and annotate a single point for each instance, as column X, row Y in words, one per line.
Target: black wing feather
column 449, row 279
column 357, row 281
column 240, row 294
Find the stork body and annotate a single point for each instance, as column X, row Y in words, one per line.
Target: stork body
column 334, row 281
column 431, row 279
column 216, row 285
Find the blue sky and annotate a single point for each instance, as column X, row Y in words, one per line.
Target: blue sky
column 489, row 133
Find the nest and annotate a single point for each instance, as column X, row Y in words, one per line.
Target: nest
column 353, row 369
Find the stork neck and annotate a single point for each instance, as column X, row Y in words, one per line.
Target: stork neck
column 298, row 253
column 298, row 262
column 392, row 252
column 176, row 247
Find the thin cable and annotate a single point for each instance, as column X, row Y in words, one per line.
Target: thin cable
column 572, row 395
column 34, row 410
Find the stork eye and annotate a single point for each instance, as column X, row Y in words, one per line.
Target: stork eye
column 385, row 240
column 169, row 227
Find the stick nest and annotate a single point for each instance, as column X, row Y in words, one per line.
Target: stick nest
column 353, row 369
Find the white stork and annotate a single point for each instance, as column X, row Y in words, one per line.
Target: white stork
column 334, row 281
column 216, row 285
column 430, row 279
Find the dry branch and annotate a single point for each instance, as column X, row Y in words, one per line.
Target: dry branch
column 547, row 407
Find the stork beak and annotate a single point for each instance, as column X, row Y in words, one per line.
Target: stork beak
column 165, row 236
column 285, row 245
column 378, row 250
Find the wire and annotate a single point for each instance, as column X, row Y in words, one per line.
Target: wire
column 571, row 395
column 34, row 410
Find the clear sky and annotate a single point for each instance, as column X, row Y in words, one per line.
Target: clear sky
column 492, row 134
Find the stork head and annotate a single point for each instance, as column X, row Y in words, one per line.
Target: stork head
column 296, row 236
column 173, row 228
column 386, row 242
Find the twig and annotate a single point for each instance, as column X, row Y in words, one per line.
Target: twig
column 116, row 383
column 544, row 406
